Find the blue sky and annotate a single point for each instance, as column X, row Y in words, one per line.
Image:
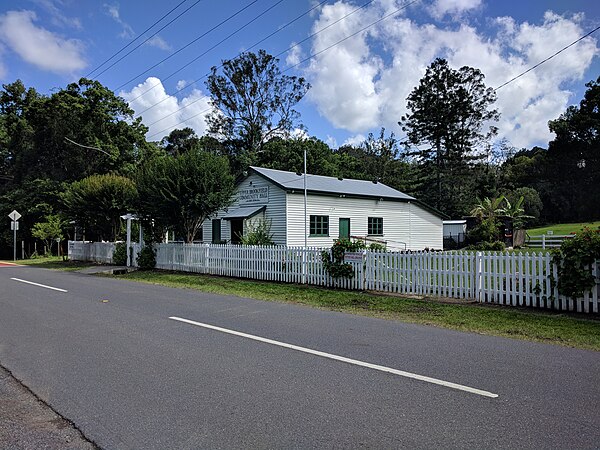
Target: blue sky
column 358, row 85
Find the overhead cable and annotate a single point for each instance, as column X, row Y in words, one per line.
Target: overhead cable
column 139, row 36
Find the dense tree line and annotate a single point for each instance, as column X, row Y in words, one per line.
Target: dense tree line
column 78, row 156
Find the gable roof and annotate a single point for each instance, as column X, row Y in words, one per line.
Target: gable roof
column 291, row 181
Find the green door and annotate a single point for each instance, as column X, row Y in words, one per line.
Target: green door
column 344, row 228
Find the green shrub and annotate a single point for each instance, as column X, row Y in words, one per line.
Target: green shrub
column 376, row 247
column 258, row 234
column 120, row 254
column 495, row 246
column 146, row 258
column 334, row 262
column 574, row 259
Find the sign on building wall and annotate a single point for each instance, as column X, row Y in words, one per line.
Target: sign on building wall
column 254, row 196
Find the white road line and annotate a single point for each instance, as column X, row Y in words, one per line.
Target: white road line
column 401, row 373
column 40, row 285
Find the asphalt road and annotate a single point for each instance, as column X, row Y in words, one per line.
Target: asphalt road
column 106, row 356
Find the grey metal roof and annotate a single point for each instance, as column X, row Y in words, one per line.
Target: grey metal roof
column 243, row 212
column 331, row 185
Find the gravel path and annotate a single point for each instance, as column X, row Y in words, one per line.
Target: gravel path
column 28, row 423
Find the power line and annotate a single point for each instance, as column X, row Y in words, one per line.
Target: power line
column 188, row 44
column 131, row 42
column 207, row 51
column 295, row 65
column 262, row 40
column 393, row 13
column 149, row 37
column 547, row 59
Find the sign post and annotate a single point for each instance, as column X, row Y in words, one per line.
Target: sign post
column 14, row 216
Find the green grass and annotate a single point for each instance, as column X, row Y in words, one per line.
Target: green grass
column 562, row 229
column 562, row 329
column 55, row 263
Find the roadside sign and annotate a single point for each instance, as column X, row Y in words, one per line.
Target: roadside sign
column 14, row 216
column 353, row 257
column 14, row 225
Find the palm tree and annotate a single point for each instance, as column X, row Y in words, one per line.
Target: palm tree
column 516, row 212
column 488, row 208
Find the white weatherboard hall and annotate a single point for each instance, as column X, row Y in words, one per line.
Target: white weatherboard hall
column 335, row 208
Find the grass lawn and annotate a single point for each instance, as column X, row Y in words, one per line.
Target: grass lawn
column 56, row 263
column 562, row 229
column 549, row 327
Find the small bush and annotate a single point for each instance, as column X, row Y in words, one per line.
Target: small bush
column 258, row 234
column 495, row 246
column 146, row 257
column 377, row 247
column 120, row 254
column 334, row 263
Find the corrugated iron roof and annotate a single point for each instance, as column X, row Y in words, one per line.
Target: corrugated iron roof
column 331, row 185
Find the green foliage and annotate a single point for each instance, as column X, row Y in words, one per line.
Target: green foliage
column 120, row 254
column 50, row 230
column 572, row 166
column 253, row 101
column 448, row 111
column 99, row 201
column 377, row 247
column 486, row 231
column 495, row 246
column 146, row 257
column 182, row 192
column 488, row 208
column 574, row 259
column 333, row 260
column 258, row 233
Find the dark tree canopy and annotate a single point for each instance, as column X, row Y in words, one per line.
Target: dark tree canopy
column 573, row 161
column 181, row 192
column 253, row 101
column 448, row 113
column 180, row 141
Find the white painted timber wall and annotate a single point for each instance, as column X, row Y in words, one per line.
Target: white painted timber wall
column 403, row 222
column 275, row 212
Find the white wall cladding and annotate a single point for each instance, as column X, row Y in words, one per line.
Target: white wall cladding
column 275, row 211
column 403, row 223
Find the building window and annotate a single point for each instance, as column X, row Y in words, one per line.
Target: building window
column 216, row 231
column 319, row 225
column 375, row 226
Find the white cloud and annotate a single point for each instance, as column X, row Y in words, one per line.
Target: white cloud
column 38, row 46
column 440, row 8
column 331, row 142
column 166, row 115
column 158, row 42
column 113, row 11
column 181, row 84
column 355, row 141
column 57, row 16
column 363, row 83
column 294, row 56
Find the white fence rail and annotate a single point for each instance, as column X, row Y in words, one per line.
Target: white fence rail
column 489, row 277
column 547, row 240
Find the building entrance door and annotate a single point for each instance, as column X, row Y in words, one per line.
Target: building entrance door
column 344, row 228
column 237, row 231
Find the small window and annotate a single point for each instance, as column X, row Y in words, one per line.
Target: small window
column 319, row 225
column 375, row 226
column 216, row 231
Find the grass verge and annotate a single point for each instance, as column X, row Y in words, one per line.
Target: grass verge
column 562, row 229
column 549, row 327
column 55, row 263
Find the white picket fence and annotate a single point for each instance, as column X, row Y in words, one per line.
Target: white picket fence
column 488, row 277
column 547, row 240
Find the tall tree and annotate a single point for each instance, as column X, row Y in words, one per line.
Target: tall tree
column 182, row 192
column 180, row 141
column 449, row 111
column 253, row 101
column 98, row 202
column 573, row 161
